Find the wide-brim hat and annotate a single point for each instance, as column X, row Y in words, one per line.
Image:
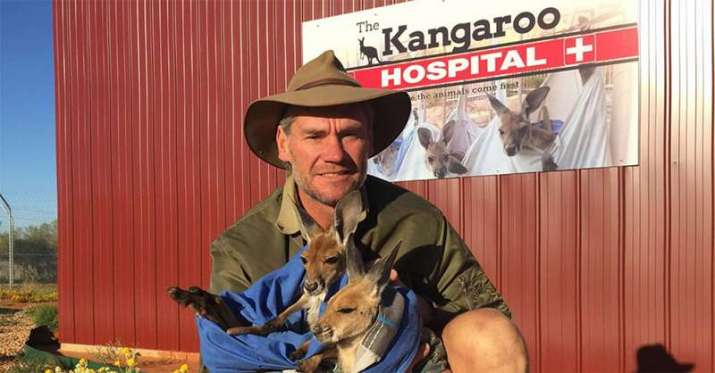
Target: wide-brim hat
column 324, row 82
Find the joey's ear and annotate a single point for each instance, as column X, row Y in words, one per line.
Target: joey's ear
column 348, row 214
column 497, row 105
column 379, row 273
column 353, row 261
column 455, row 166
column 308, row 227
column 448, row 131
column 425, row 137
column 534, row 99
column 545, row 118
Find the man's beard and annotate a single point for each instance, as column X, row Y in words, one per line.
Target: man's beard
column 316, row 195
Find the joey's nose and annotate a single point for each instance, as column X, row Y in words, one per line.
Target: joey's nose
column 322, row 333
column 310, row 286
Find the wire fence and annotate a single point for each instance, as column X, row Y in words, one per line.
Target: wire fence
column 30, row 268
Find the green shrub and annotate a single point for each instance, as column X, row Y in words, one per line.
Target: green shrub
column 44, row 314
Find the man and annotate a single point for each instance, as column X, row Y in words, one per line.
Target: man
column 323, row 130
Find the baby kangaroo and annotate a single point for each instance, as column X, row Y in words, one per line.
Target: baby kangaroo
column 353, row 310
column 518, row 133
column 323, row 260
column 441, row 159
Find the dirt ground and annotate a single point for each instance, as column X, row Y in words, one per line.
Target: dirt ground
column 15, row 326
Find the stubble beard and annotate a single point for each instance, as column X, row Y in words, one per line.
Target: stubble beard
column 304, row 185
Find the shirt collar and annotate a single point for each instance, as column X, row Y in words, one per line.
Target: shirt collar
column 288, row 221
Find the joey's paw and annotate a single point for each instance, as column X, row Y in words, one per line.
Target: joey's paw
column 297, row 355
column 310, row 364
column 239, row 330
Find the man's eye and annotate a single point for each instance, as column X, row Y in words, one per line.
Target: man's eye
column 331, row 260
column 346, row 310
column 302, row 259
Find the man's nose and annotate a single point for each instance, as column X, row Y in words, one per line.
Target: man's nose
column 333, row 149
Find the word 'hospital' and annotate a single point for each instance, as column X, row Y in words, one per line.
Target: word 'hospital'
column 493, row 62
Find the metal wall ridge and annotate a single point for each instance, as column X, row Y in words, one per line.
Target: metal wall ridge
column 602, row 268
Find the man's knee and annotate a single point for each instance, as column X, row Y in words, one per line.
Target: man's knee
column 484, row 340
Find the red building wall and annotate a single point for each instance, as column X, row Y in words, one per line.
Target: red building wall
column 152, row 166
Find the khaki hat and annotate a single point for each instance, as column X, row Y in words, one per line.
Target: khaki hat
column 324, row 82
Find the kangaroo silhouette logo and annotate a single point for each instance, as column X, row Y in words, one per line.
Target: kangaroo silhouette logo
column 369, row 52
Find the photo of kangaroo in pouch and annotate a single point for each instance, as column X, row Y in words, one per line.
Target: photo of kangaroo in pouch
column 518, row 133
column 440, row 158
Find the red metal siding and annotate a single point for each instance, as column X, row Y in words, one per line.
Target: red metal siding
column 152, row 166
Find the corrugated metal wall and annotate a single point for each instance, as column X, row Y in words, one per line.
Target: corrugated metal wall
column 152, row 165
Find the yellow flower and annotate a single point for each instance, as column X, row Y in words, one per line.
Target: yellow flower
column 126, row 351
column 58, row 370
column 131, row 362
column 117, row 363
column 48, row 370
column 184, row 368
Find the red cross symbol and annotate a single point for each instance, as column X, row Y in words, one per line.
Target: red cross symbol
column 580, row 49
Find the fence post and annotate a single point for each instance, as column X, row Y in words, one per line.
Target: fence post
column 11, row 253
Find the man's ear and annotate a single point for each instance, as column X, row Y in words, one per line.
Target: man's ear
column 282, row 144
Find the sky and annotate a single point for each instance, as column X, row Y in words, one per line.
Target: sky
column 28, row 177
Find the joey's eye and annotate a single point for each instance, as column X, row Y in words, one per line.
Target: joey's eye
column 346, row 310
column 430, row 158
column 501, row 131
column 331, row 260
column 302, row 259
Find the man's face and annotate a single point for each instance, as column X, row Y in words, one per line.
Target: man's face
column 328, row 149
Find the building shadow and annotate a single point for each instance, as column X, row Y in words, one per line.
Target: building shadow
column 656, row 359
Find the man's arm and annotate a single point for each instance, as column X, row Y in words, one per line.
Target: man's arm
column 462, row 282
column 227, row 269
column 443, row 271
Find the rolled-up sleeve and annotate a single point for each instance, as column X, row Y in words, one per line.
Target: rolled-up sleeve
column 460, row 279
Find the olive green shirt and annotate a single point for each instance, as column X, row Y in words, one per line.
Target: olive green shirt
column 433, row 260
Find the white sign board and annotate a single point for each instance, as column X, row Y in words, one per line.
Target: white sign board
column 515, row 86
